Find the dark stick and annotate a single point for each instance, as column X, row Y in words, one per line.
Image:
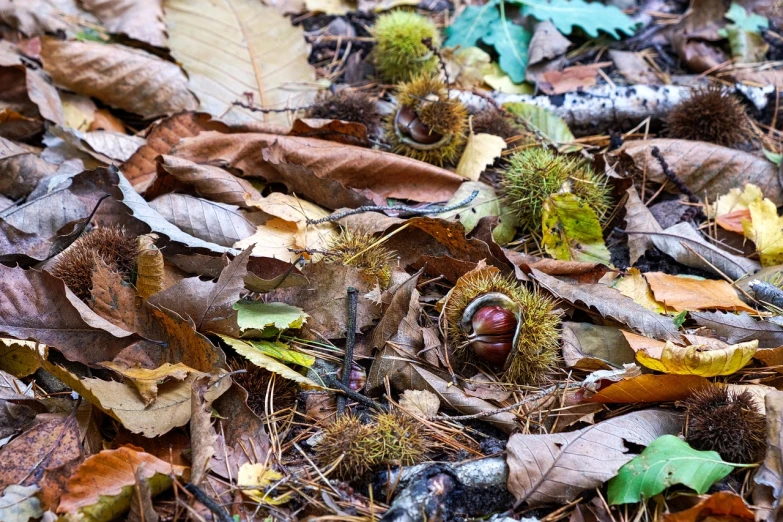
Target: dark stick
column 397, row 208
column 220, row 513
column 671, row 176
column 350, row 340
column 332, row 382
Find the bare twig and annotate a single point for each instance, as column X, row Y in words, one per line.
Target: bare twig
column 350, row 339
column 220, row 513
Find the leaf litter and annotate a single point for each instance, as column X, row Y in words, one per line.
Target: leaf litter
column 328, row 260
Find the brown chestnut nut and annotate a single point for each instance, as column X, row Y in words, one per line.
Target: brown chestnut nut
column 357, row 379
column 494, row 320
column 491, row 353
column 409, row 124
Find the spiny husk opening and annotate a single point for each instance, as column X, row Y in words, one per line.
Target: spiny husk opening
column 399, row 51
column 354, row 247
column 534, row 353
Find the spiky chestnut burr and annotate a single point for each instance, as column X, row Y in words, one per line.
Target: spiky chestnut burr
column 496, row 123
column 347, row 105
column 534, row 174
column 349, row 438
column 400, row 51
column 727, row 422
column 111, row 245
column 403, row 440
column 256, row 380
column 353, row 248
column 534, row 343
column 427, row 125
column 711, row 114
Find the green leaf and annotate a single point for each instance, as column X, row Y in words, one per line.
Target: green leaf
column 257, row 357
column 549, row 124
column 747, row 46
column 472, row 25
column 591, row 17
column 282, row 352
column 774, row 157
column 747, row 22
column 487, row 203
column 665, row 462
column 679, row 319
column 510, row 41
column 572, row 231
column 268, row 319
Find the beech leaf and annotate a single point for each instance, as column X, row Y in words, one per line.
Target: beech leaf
column 665, row 462
column 480, row 151
column 557, row 467
column 19, row 504
column 700, row 359
column 259, row 358
column 687, row 293
column 268, row 319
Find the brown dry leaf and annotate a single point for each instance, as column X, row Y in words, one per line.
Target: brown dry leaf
column 122, row 401
column 141, row 509
column 635, row 286
column 570, row 79
column 769, row 477
column 400, row 301
column 578, row 271
column 556, row 468
column 328, row 174
column 325, row 300
column 420, row 402
column 638, row 218
column 20, row 169
column 638, row 343
column 206, row 220
column 112, row 298
column 139, row 19
column 685, row 293
column 105, row 146
column 592, row 347
column 723, row 505
column 347, row 132
column 736, row 328
column 104, row 481
column 209, row 181
column 149, row 267
column 31, row 17
column 264, row 274
column 122, row 77
column 29, row 86
column 147, row 381
column 51, row 443
column 546, row 51
column 634, row 68
column 611, row 303
column 268, row 57
column 35, row 305
column 208, row 303
column 706, row 169
column 140, row 168
column 650, row 388
column 202, row 434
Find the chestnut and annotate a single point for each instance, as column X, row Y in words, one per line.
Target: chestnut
column 357, row 379
column 409, row 124
column 493, row 334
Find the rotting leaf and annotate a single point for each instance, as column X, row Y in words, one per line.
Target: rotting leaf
column 557, row 467
column 572, row 231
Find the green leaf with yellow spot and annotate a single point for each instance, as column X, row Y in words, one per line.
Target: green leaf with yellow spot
column 572, row 231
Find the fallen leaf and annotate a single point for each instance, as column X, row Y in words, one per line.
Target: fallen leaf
column 268, row 319
column 18, row 503
column 141, row 509
column 572, row 231
column 635, row 286
column 557, row 467
column 706, row 169
column 257, row 357
column 37, row 86
column 764, row 229
column 700, row 360
column 737, row 328
column 735, row 200
column 480, row 151
column 685, row 293
column 147, row 381
column 769, row 477
column 546, row 122
column 348, row 132
column 610, row 303
column 139, row 19
column 486, row 203
column 634, row 68
column 638, row 219
column 202, row 434
column 149, row 268
column 650, row 388
column 721, row 504
column 209, row 181
column 575, row 78
column 687, row 246
column 328, row 174
column 420, row 402
column 20, row 358
column 102, row 486
column 33, row 18
column 20, row 169
column 122, row 77
column 592, row 347
column 667, row 461
column 259, row 475
column 268, row 58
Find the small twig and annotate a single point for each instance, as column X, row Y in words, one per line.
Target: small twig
column 671, row 176
column 393, row 208
column 288, row 272
column 429, row 45
column 333, row 382
column 220, row 513
column 265, row 111
column 350, row 340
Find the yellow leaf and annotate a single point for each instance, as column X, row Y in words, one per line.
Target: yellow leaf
column 146, row 381
column 735, row 200
column 696, row 360
column 480, row 151
column 766, row 230
column 687, row 293
column 329, row 7
column 635, row 286
column 261, row 476
column 258, row 358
